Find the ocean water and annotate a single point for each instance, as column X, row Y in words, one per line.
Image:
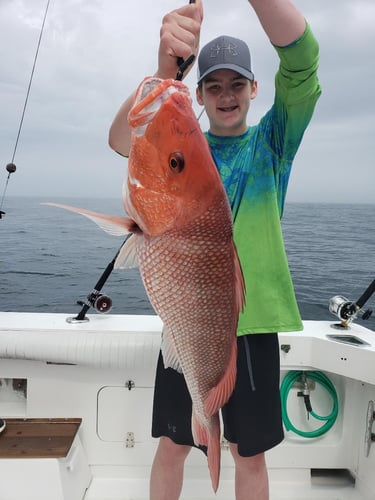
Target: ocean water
column 50, row 258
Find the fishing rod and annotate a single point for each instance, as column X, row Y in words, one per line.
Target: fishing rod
column 347, row 310
column 102, row 303
column 183, row 65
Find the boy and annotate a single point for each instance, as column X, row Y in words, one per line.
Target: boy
column 254, row 163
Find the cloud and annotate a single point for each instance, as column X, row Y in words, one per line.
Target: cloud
column 95, row 52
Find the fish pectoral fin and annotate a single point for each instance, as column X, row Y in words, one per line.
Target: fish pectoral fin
column 127, row 257
column 219, row 395
column 111, row 224
column 168, row 350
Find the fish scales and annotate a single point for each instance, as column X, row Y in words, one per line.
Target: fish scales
column 180, row 218
column 186, row 275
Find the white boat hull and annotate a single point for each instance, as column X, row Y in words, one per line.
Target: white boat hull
column 103, row 372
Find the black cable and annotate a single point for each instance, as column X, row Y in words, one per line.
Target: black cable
column 31, row 79
column 26, row 100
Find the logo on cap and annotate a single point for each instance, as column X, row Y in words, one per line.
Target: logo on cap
column 230, row 49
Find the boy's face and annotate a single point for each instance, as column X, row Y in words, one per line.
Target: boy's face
column 226, row 96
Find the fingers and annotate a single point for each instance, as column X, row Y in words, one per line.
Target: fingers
column 179, row 37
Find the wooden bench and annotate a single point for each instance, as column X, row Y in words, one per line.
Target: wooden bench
column 38, row 437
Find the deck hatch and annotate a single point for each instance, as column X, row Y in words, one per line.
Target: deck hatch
column 124, row 413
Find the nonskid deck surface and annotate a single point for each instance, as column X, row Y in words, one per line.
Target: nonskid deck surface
column 285, row 492
column 319, row 488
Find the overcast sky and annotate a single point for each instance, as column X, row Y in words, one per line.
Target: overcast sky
column 95, row 52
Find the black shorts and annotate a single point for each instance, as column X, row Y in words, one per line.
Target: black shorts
column 252, row 416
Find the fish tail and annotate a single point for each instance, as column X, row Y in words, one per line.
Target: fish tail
column 211, row 439
column 219, row 395
column 214, row 452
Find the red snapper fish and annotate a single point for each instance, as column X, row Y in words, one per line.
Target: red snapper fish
column 182, row 239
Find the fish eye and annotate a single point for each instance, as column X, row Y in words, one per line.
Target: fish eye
column 176, row 161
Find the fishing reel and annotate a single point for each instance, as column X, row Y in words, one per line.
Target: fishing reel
column 347, row 311
column 100, row 302
column 344, row 309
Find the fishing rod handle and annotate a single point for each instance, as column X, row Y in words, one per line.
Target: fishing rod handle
column 180, row 60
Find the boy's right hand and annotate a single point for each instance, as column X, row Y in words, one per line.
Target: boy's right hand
column 179, row 37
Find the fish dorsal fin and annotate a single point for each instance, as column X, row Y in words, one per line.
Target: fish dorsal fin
column 168, row 350
column 127, row 257
column 111, row 224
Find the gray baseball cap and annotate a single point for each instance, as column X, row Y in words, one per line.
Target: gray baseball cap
column 225, row 52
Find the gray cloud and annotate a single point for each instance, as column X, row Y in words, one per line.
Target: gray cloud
column 94, row 53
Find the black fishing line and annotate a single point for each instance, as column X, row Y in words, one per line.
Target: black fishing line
column 25, row 104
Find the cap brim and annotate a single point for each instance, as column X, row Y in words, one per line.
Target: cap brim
column 238, row 69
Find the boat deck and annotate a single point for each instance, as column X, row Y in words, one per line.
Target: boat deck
column 336, row 486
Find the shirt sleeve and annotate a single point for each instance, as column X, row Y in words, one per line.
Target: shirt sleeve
column 297, row 90
column 297, row 79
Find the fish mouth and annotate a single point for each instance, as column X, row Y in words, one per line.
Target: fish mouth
column 150, row 96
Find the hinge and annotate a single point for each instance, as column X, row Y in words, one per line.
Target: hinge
column 130, row 443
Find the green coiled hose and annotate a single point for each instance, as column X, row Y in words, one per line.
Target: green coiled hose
column 289, row 380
